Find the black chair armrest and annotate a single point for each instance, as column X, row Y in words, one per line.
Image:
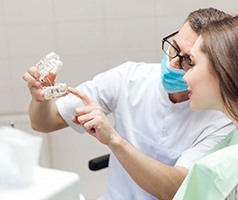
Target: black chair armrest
column 99, row 162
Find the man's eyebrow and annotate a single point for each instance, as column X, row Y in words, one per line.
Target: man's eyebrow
column 176, row 45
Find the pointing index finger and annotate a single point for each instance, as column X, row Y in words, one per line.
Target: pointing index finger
column 85, row 99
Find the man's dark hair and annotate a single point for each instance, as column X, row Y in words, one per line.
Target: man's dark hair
column 198, row 19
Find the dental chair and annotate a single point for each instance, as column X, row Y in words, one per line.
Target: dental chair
column 101, row 162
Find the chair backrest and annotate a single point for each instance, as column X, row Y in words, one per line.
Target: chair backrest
column 234, row 194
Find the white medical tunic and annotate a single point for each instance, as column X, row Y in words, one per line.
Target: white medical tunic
column 144, row 115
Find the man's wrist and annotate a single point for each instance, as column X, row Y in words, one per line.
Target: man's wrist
column 116, row 142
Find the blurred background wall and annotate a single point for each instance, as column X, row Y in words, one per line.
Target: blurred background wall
column 91, row 36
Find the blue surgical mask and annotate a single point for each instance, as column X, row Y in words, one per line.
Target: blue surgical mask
column 172, row 78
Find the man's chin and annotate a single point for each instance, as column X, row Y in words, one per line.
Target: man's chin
column 179, row 96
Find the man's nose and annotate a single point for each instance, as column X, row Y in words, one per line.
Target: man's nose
column 174, row 62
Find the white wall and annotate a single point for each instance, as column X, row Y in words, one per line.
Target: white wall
column 91, row 36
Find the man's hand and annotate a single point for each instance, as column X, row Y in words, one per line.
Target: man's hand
column 35, row 86
column 93, row 119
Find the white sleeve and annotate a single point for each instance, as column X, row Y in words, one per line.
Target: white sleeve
column 103, row 89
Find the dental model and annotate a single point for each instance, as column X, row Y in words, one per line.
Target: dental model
column 52, row 92
column 51, row 64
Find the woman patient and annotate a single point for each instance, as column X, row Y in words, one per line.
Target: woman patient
column 213, row 85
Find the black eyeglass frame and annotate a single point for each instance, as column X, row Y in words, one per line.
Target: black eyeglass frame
column 181, row 58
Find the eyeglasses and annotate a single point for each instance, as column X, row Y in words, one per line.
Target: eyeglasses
column 170, row 50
